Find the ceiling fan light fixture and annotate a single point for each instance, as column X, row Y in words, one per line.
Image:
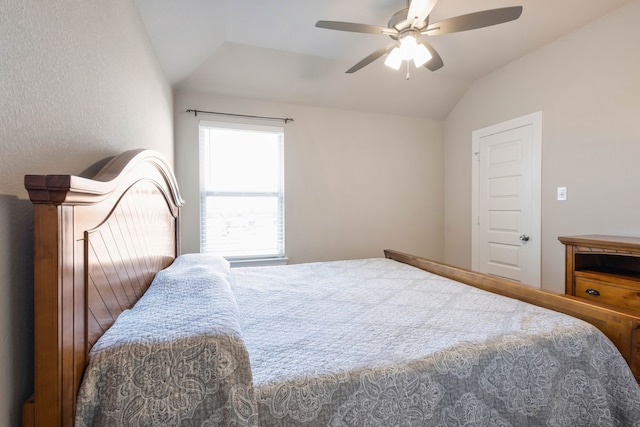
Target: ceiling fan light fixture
column 394, row 59
column 421, row 55
column 408, row 46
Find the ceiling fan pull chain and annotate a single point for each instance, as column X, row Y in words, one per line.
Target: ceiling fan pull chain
column 408, row 74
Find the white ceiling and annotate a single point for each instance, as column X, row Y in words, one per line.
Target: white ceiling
column 271, row 49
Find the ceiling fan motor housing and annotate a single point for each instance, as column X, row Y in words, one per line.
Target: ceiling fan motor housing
column 400, row 22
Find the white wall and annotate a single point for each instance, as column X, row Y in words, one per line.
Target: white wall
column 78, row 81
column 355, row 183
column 588, row 86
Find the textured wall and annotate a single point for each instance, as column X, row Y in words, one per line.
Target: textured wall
column 78, row 82
column 588, row 86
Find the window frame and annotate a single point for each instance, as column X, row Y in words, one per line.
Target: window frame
column 279, row 256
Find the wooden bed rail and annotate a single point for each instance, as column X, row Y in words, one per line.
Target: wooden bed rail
column 621, row 327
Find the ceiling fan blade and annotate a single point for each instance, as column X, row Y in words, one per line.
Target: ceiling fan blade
column 419, row 10
column 435, row 63
column 356, row 28
column 369, row 59
column 474, row 20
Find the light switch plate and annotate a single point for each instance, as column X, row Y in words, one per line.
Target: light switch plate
column 562, row 193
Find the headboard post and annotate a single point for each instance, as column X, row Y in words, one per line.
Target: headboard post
column 127, row 215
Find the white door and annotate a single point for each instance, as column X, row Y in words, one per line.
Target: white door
column 506, row 199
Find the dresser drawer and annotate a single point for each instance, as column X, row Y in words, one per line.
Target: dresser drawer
column 604, row 292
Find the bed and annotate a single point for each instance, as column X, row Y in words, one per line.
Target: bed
column 110, row 284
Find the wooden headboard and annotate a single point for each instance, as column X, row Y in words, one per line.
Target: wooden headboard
column 97, row 246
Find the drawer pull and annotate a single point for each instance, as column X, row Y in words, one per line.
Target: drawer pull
column 593, row 292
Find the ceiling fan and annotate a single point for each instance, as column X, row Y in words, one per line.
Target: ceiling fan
column 407, row 26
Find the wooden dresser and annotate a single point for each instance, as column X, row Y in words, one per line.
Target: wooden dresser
column 605, row 269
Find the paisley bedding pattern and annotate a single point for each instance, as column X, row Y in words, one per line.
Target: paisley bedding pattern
column 377, row 342
column 347, row 343
column 175, row 358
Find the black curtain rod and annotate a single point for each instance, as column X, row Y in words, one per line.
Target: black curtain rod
column 285, row 120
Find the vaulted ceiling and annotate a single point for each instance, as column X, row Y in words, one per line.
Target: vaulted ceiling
column 271, row 49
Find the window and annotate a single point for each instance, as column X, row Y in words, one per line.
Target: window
column 241, row 190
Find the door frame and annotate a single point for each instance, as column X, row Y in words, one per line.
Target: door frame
column 534, row 119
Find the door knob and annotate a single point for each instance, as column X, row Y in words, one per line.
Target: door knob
column 525, row 237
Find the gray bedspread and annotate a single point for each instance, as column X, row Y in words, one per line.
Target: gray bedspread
column 380, row 343
column 177, row 358
column 356, row 343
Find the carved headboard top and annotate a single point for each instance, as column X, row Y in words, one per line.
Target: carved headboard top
column 126, row 167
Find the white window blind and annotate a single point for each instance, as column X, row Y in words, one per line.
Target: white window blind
column 241, row 190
